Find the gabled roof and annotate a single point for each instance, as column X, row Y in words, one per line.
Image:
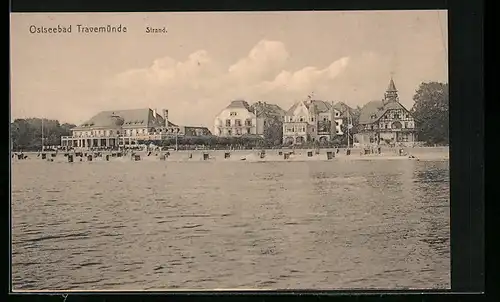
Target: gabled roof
column 319, row 106
column 322, row 107
column 290, row 111
column 344, row 109
column 374, row 110
column 124, row 118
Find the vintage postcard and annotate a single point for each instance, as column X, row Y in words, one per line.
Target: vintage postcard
column 230, row 150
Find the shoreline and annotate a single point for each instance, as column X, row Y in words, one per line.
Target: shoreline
column 271, row 155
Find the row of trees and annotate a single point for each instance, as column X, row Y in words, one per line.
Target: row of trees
column 430, row 110
column 241, row 142
column 26, row 134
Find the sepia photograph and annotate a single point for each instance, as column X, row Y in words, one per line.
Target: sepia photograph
column 301, row 150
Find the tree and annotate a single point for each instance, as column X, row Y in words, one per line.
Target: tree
column 431, row 112
column 27, row 133
column 273, row 131
column 273, row 123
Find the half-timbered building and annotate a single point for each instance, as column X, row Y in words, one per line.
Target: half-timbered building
column 386, row 122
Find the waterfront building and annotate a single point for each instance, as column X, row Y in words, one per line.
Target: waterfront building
column 122, row 128
column 239, row 118
column 314, row 120
column 386, row 121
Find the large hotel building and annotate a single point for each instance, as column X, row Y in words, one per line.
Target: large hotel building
column 127, row 128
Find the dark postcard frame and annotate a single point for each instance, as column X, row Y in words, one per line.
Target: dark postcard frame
column 466, row 141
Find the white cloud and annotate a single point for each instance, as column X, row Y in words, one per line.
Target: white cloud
column 262, row 62
column 196, row 89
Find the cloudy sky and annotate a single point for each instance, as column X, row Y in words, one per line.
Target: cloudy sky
column 208, row 59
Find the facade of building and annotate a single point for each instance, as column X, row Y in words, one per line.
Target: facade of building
column 313, row 120
column 268, row 115
column 386, row 121
column 239, row 118
column 122, row 128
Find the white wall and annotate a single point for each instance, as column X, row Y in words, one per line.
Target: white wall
column 234, row 114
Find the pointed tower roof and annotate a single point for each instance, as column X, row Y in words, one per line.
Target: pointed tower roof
column 391, row 87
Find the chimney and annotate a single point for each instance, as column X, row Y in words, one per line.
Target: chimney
column 165, row 117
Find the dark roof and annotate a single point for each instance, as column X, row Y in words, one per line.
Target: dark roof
column 124, row 118
column 343, row 108
column 265, row 109
column 239, row 104
column 190, row 129
column 321, row 107
column 374, row 110
column 277, row 109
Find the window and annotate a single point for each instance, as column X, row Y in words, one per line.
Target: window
column 312, row 119
column 336, row 123
column 301, row 119
column 232, row 113
column 337, row 113
column 248, row 130
column 248, row 122
column 396, row 116
column 264, row 122
column 238, row 132
column 229, row 132
column 406, row 124
column 386, row 127
column 238, row 123
column 228, row 123
column 371, row 127
column 312, row 129
column 325, row 119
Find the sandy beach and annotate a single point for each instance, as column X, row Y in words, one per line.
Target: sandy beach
column 431, row 153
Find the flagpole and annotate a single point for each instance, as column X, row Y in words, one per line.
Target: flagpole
column 348, row 126
column 42, row 134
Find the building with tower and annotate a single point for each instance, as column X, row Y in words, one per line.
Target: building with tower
column 386, row 122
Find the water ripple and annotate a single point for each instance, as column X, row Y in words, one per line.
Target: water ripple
column 125, row 226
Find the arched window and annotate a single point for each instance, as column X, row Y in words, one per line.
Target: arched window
column 397, row 125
